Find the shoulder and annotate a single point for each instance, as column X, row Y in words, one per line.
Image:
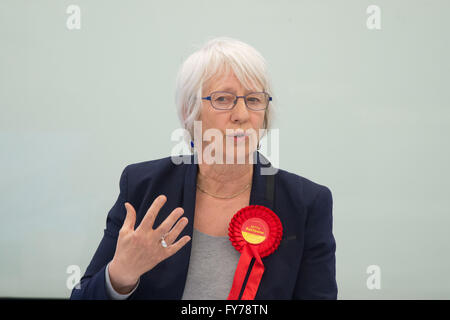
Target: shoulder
column 158, row 176
column 151, row 168
column 302, row 189
column 138, row 177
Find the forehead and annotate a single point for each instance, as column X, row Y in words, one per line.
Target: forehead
column 228, row 82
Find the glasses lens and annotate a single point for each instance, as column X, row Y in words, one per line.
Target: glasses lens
column 257, row 100
column 222, row 100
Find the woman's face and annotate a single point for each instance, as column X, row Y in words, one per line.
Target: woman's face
column 240, row 117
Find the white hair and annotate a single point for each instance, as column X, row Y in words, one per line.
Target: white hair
column 217, row 57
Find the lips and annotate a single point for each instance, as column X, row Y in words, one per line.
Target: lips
column 237, row 134
column 238, row 137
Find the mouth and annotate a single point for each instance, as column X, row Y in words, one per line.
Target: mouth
column 237, row 136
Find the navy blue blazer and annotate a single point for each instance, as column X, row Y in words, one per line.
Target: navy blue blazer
column 303, row 266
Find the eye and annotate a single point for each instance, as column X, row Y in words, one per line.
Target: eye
column 253, row 99
column 223, row 98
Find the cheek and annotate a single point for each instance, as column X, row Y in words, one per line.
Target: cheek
column 215, row 120
column 205, row 117
column 212, row 120
column 257, row 121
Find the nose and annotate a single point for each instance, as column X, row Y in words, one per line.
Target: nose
column 239, row 112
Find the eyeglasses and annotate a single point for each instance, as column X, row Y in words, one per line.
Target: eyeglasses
column 222, row 100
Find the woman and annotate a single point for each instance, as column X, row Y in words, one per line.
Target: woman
column 146, row 251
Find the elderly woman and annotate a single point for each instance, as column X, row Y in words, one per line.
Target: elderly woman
column 167, row 235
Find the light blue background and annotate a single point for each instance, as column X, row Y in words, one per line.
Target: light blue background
column 364, row 112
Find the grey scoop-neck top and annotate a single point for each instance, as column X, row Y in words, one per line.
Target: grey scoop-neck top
column 211, row 268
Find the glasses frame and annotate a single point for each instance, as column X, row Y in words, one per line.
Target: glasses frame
column 236, row 99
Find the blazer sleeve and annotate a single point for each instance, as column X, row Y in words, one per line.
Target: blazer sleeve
column 93, row 283
column 317, row 275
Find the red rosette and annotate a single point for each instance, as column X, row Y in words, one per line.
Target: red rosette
column 273, row 238
column 255, row 231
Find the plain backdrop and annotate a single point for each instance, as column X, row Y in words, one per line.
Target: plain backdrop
column 363, row 112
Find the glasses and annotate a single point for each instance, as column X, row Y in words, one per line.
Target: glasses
column 222, row 100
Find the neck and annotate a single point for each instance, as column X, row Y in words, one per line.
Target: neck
column 224, row 179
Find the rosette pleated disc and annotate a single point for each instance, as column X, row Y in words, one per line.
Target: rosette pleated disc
column 246, row 228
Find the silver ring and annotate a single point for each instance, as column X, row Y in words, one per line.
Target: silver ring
column 163, row 242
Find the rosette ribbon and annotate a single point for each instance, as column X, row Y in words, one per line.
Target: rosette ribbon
column 255, row 231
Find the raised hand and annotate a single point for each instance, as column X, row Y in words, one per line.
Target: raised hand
column 140, row 250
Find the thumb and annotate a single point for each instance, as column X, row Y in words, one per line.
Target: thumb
column 130, row 218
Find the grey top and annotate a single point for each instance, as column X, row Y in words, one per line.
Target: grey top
column 211, row 269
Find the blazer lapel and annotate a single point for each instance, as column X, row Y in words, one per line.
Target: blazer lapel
column 260, row 194
column 188, row 204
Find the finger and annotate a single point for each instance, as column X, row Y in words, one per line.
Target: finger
column 173, row 248
column 175, row 232
column 152, row 212
column 130, row 218
column 167, row 224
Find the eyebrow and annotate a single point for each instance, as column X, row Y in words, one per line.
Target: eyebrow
column 230, row 89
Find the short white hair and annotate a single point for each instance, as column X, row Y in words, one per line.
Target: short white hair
column 217, row 57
